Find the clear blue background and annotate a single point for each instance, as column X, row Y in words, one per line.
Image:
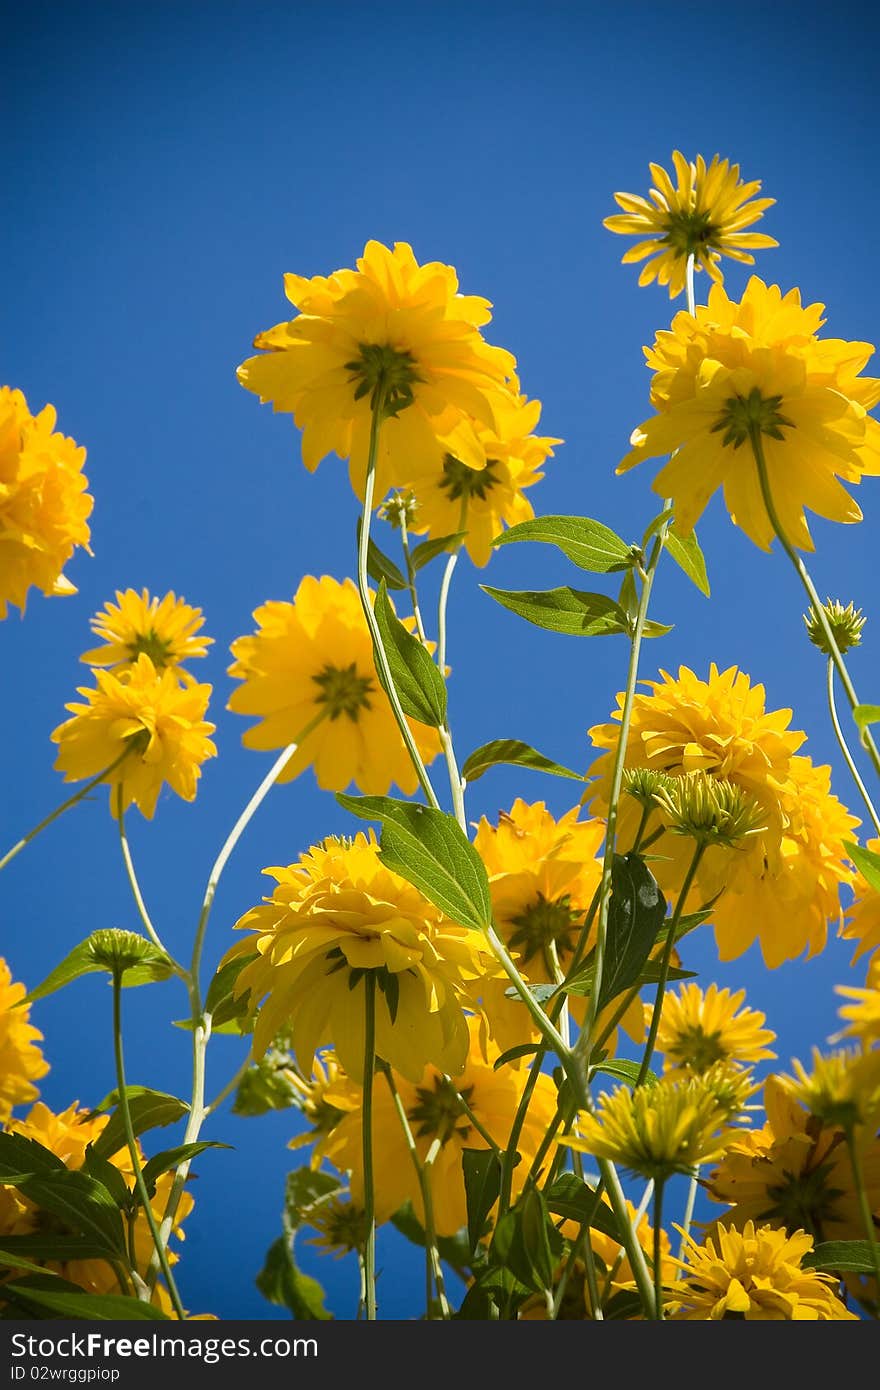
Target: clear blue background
column 165, row 164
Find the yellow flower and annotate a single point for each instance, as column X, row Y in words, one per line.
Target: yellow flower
column 759, row 366
column 67, row 1135
column 755, row 1274
column 698, row 1029
column 843, row 1087
column 165, row 629
column 862, row 919
column 435, row 1113
column 310, row 660
column 340, row 1226
column 795, row 1172
column 705, row 215
column 21, row 1061
column 324, row 1098
column 44, row 505
column 392, row 325
column 666, row 1128
column 862, row 1016
column 456, row 496
column 781, row 885
column 335, row 916
column 144, row 726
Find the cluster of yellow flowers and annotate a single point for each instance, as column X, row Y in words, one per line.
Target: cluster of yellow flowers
column 413, row 1025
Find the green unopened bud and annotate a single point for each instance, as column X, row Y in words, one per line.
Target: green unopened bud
column 118, row 951
column 643, row 784
column 845, row 623
column 399, row 507
column 710, row 810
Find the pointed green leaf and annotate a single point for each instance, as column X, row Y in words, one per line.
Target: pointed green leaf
column 865, row 715
column 564, row 610
column 590, row 544
column 513, row 753
column 82, row 1204
column 10, row 1260
column 169, row 1159
column 686, row 552
column 82, row 960
column 420, row 687
column 21, row 1156
column 50, row 1245
column 304, row 1187
column 526, row 1244
column 429, row 549
column 482, row 1184
column 540, row 993
column 521, row 1050
column 149, row 1110
column 624, row 1070
column 282, row 1283
column 92, row 1306
column 628, row 597
column 867, row 862
column 109, row 1176
column 428, row 849
column 379, row 566
column 652, row 629
column 841, row 1256
column 635, row 914
column 570, row 1197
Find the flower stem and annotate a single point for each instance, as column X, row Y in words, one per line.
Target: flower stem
column 59, row 810
column 815, row 602
column 135, row 886
column 689, row 285
column 665, row 960
column 658, row 1248
column 474, row 1119
column 844, row 748
column 367, row 1136
column 381, row 656
column 411, row 581
column 689, row 1205
column 433, row 1266
column 141, row 1186
column 867, row 1215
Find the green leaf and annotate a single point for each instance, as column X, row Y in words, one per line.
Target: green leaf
column 82, row 1203
column 540, row 993
column 149, row 1110
column 455, row 1250
column 654, row 527
column 25, row 1157
column 841, row 1256
column 482, row 1184
column 168, row 1159
column 521, row 1050
column 266, row 1085
column 109, row 1176
column 379, row 566
column 220, row 1001
column 588, row 543
column 526, row 1243
column 625, row 1304
column 49, row 1245
column 652, row 629
column 92, row 1306
column 628, row 597
column 152, row 965
column 867, row 862
column 563, row 610
column 304, row 1187
column 865, row 715
column 575, row 1200
column 428, row 849
column 686, row 552
column 428, row 549
column 624, row 1070
column 420, row 687
column 513, row 753
column 282, row 1283
column 635, row 913
column 10, row 1260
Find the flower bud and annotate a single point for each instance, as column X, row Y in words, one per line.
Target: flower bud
column 845, row 623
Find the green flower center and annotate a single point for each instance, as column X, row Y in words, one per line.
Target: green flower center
column 543, row 923
column 343, row 691
column 439, row 1112
column 461, row 481
column 744, row 415
column 698, row 1050
column 687, row 232
column 341, row 1226
column 386, row 374
column 805, row 1200
column 152, row 645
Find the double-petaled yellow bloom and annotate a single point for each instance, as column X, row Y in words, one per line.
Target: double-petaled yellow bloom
column 435, row 1113
column 21, row 1061
column 144, row 728
column 699, row 1028
column 309, row 676
column 394, row 333
column 757, row 369
column 335, row 918
column 756, row 1274
column 165, row 630
column 44, row 505
column 862, row 919
column 704, row 215
column 481, row 502
column 862, row 1013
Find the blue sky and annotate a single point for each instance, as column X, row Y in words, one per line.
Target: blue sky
column 166, row 165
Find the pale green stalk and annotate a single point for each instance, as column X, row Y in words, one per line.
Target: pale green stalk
column 59, row 810
column 844, row 748
column 867, row 1215
column 658, row 1248
column 367, row 1143
column 433, row 1266
column 663, row 972
column 135, row 886
column 474, row 1119
column 689, row 1205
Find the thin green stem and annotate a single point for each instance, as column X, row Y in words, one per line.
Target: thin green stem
column 581, row 1244
column 141, row 1186
column 367, row 1143
column 636, row 1223
column 433, row 1267
column 630, row 1241
column 381, row 656
column 445, row 583
column 867, row 1215
column 508, row 1158
column 411, row 581
column 428, row 1202
column 845, row 750
column 474, row 1118
column 815, row 602
column 689, row 285
column 59, row 810
column 658, row 1248
column 689, row 1205
column 135, row 886
column 665, row 960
